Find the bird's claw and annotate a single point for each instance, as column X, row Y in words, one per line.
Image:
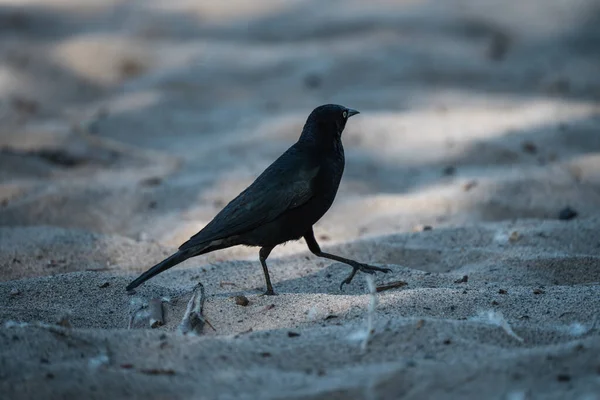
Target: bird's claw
column 344, row 282
column 368, row 269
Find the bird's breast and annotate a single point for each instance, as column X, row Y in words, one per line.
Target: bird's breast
column 330, row 177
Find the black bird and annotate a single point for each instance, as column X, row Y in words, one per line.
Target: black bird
column 283, row 203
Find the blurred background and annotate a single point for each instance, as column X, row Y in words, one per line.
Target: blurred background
column 128, row 122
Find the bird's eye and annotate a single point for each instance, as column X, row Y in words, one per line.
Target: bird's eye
column 345, row 114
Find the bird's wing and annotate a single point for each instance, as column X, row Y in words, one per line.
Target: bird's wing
column 284, row 185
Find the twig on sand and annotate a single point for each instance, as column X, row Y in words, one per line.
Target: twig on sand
column 365, row 335
column 134, row 314
column 371, row 312
column 156, row 313
column 390, row 285
column 157, row 371
column 193, row 321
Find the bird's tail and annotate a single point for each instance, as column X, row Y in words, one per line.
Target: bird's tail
column 164, row 265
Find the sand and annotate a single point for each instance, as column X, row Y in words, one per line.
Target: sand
column 127, row 125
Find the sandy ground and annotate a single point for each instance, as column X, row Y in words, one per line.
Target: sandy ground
column 126, row 125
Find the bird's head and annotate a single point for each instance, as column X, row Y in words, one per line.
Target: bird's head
column 326, row 123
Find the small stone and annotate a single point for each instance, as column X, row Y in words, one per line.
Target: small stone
column 502, row 291
column 464, row 279
column 422, row 228
column 64, row 322
column 538, row 291
column 529, row 147
column 567, row 213
column 242, row 301
column 104, row 285
column 293, row 334
column 469, row 185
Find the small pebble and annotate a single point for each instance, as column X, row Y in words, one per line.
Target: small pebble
column 567, row 213
column 469, row 185
column 242, row 301
column 422, row 228
column 529, row 147
column 64, row 322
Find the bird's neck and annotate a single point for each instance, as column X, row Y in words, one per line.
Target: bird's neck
column 322, row 139
column 321, row 146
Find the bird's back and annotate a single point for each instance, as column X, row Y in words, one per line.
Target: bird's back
column 290, row 182
column 295, row 222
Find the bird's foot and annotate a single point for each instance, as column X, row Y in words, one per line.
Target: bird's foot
column 269, row 292
column 367, row 269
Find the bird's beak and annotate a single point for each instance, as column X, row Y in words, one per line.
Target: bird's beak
column 352, row 112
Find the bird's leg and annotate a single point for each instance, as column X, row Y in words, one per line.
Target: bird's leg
column 263, row 254
column 313, row 246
